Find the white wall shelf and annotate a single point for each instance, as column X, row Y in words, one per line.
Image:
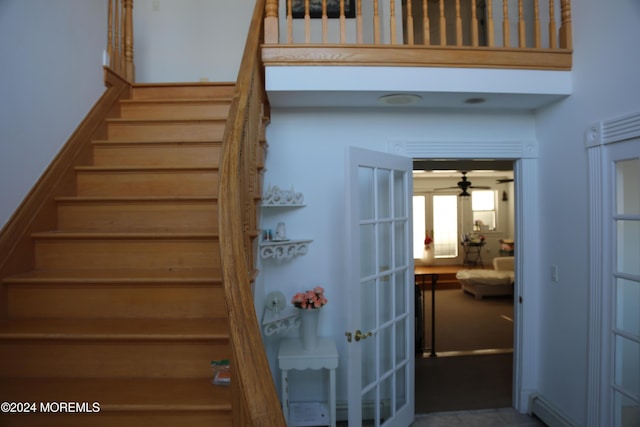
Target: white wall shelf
column 281, row 321
column 276, row 245
column 275, row 196
column 283, row 205
column 283, row 250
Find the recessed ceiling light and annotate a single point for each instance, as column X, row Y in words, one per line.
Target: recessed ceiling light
column 399, row 99
column 475, row 101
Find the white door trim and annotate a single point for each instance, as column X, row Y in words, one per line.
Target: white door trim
column 524, row 153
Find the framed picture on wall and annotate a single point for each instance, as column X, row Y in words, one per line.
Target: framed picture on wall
column 315, row 8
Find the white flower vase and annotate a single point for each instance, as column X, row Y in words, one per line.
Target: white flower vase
column 309, row 328
column 428, row 256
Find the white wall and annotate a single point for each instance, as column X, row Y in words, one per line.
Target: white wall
column 51, row 75
column 306, row 150
column 188, row 40
column 606, row 84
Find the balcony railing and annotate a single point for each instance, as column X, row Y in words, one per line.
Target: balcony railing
column 533, row 34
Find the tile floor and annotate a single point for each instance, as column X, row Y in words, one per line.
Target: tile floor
column 481, row 418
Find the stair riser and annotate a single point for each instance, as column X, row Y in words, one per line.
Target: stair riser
column 183, row 92
column 110, row 254
column 202, row 183
column 163, row 131
column 199, row 155
column 110, row 358
column 139, row 217
column 115, row 301
column 173, row 110
column 108, row 418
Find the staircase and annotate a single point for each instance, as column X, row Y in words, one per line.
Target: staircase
column 125, row 307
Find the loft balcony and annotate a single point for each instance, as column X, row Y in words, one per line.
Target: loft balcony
column 498, row 54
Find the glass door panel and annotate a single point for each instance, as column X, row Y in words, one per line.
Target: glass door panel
column 383, row 184
column 626, row 411
column 628, row 246
column 628, row 301
column 627, row 365
column 628, row 190
column 366, row 193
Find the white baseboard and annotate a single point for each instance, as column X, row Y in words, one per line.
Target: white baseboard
column 368, row 408
column 548, row 413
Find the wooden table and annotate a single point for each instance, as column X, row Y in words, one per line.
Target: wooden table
column 421, row 274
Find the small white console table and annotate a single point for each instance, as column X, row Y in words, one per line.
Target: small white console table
column 291, row 355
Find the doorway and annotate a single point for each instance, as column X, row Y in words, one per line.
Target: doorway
column 523, row 155
column 474, row 364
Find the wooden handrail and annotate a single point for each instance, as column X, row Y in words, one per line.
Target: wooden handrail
column 120, row 38
column 255, row 400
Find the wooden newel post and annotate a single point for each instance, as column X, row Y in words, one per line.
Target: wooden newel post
column 110, row 33
column 129, row 67
column 271, row 22
column 566, row 38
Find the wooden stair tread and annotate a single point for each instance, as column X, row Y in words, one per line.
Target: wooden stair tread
column 220, row 100
column 189, row 120
column 87, row 235
column 161, row 85
column 178, row 168
column 121, row 394
column 115, row 329
column 136, row 199
column 191, row 275
column 148, row 142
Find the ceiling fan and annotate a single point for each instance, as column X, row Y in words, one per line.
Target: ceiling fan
column 503, row 181
column 464, row 185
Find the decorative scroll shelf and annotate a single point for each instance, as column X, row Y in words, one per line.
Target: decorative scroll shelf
column 278, row 197
column 283, row 250
column 276, row 322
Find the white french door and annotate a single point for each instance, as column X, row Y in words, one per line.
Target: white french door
column 380, row 316
column 623, row 160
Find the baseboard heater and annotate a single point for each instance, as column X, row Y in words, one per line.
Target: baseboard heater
column 548, row 413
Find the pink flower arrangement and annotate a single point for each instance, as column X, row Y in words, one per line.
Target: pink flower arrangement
column 309, row 300
column 427, row 241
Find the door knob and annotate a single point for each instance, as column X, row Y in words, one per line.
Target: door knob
column 361, row 336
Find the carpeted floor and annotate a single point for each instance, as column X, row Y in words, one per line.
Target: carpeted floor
column 466, row 382
column 446, row 384
column 464, row 323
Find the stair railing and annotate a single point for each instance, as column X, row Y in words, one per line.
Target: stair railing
column 120, row 38
column 255, row 400
column 457, row 23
